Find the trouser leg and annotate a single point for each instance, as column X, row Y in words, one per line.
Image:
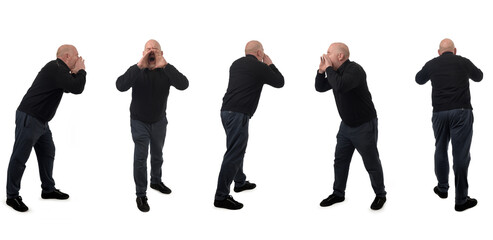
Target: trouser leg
column 461, row 129
column 158, row 134
column 236, row 128
column 26, row 135
column 365, row 139
column 45, row 152
column 343, row 154
column 442, row 139
column 240, row 177
column 141, row 137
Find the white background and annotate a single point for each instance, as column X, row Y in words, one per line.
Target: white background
column 292, row 135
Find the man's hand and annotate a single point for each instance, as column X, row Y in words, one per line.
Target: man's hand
column 144, row 61
column 160, row 62
column 267, row 59
column 79, row 64
column 324, row 63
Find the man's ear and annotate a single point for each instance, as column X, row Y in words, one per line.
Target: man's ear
column 340, row 56
column 455, row 51
column 439, row 53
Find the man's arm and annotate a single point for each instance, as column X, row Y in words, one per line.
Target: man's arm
column 423, row 76
column 176, row 78
column 271, row 75
column 321, row 83
column 475, row 73
column 350, row 79
column 127, row 80
column 71, row 83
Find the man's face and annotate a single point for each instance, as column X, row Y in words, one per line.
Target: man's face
column 332, row 54
column 73, row 56
column 154, row 50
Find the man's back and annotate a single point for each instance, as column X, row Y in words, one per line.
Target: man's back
column 449, row 75
column 247, row 76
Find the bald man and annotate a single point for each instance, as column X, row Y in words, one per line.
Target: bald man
column 150, row 80
column 65, row 74
column 247, row 76
column 359, row 127
column 452, row 118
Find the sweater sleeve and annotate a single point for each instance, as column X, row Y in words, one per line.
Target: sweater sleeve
column 127, row 80
column 176, row 78
column 71, row 83
column 423, row 75
column 273, row 77
column 350, row 79
column 321, row 83
column 475, row 73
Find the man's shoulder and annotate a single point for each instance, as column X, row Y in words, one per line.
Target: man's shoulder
column 354, row 66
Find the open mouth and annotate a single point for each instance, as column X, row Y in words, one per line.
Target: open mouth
column 152, row 57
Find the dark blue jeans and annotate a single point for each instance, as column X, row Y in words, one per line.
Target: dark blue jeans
column 236, row 127
column 456, row 126
column 145, row 134
column 364, row 139
column 29, row 133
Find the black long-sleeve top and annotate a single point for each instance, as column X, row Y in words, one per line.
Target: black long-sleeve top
column 353, row 99
column 247, row 76
column 150, row 90
column 43, row 97
column 449, row 74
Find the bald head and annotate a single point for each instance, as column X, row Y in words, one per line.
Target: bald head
column 338, row 53
column 446, row 45
column 339, row 48
column 65, row 49
column 253, row 46
column 68, row 54
column 153, row 44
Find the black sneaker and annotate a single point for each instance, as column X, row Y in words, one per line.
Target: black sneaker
column 17, row 204
column 161, row 187
column 142, row 204
column 440, row 194
column 331, row 199
column 470, row 202
column 378, row 203
column 246, row 186
column 228, row 203
column 57, row 194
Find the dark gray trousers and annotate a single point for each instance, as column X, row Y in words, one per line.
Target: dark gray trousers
column 364, row 139
column 456, row 126
column 29, row 133
column 236, row 128
column 143, row 135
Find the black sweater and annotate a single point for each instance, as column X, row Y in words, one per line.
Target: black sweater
column 43, row 97
column 247, row 76
column 449, row 74
column 150, row 90
column 351, row 92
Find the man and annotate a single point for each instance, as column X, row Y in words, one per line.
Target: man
column 247, row 76
column 65, row 74
column 452, row 118
column 150, row 80
column 359, row 126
